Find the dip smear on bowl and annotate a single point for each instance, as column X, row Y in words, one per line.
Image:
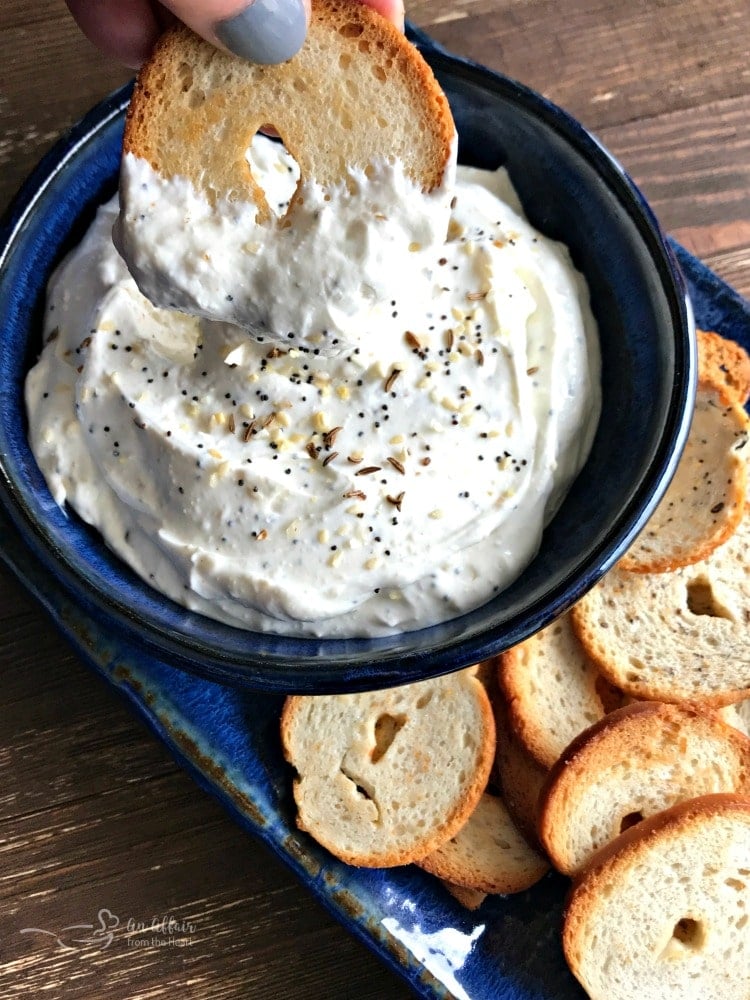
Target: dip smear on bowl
column 297, row 485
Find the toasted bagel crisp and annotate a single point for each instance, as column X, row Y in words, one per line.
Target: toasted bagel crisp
column 637, row 761
column 661, row 912
column 355, row 94
column 521, row 777
column 677, row 637
column 385, row 777
column 552, row 690
column 705, row 500
column 724, row 363
column 488, row 854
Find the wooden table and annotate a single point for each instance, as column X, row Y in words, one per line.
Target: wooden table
column 93, row 812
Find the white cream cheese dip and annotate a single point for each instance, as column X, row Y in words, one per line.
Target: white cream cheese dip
column 325, row 273
column 384, row 483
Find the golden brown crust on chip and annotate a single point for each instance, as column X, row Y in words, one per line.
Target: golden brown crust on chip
column 705, row 500
column 357, row 92
column 725, row 363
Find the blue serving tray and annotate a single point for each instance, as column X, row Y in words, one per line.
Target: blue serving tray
column 228, row 740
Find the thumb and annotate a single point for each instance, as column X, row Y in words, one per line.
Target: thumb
column 262, row 31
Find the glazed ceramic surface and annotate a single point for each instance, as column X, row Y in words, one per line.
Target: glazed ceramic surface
column 571, row 190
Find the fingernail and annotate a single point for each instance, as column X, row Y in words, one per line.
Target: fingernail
column 267, row 31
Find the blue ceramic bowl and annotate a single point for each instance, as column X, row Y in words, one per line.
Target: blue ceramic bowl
column 572, row 190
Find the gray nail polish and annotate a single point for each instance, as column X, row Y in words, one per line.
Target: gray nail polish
column 268, row 31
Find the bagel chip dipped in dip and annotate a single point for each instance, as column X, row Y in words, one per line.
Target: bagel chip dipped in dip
column 336, row 390
column 373, row 144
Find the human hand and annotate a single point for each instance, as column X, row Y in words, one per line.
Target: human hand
column 262, row 31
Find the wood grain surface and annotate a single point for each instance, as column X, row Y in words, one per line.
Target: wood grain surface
column 94, row 814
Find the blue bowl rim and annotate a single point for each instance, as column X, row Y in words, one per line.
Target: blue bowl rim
column 313, row 665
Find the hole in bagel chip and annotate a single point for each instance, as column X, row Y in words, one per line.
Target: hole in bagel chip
column 274, row 170
column 703, row 600
column 386, row 728
column 690, row 933
column 631, row 819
